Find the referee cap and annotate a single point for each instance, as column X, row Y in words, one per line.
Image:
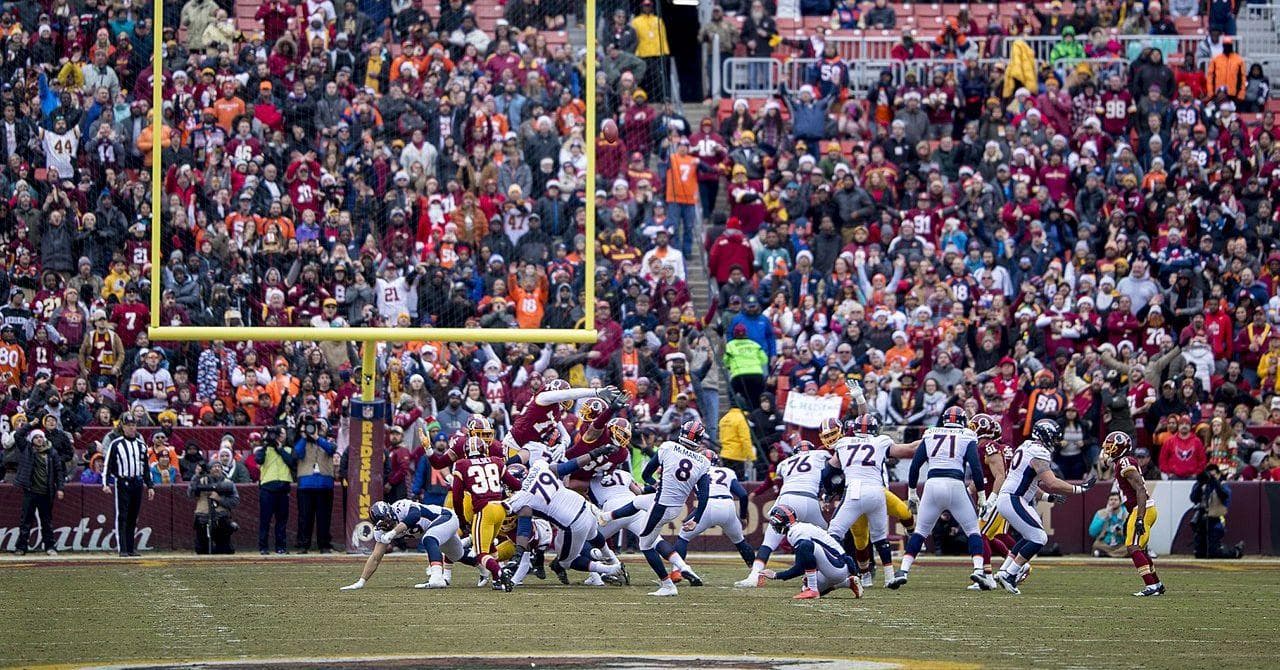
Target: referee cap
column 127, row 419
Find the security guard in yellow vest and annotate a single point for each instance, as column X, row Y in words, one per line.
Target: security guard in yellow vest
column 276, row 460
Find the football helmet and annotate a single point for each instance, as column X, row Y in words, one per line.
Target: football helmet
column 477, row 447
column 1047, row 432
column 481, row 427
column 804, row 445
column 986, row 426
column 559, row 385
column 955, row 417
column 590, row 409
column 691, row 433
column 515, row 472
column 619, row 431
column 712, row 456
column 381, row 516
column 781, row 518
column 867, row 424
column 829, row 431
column 1117, row 444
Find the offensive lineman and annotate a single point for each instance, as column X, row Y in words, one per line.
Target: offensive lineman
column 860, row 457
column 948, row 449
column 802, row 476
column 1030, row 466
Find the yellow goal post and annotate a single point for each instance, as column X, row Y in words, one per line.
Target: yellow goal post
column 369, row 337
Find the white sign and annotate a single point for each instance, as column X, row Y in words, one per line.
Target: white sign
column 808, row 411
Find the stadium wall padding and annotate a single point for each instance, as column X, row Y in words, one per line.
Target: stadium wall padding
column 84, row 520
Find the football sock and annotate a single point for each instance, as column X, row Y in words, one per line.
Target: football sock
column 976, row 552
column 863, row 556
column 678, row 562
column 886, row 554
column 432, row 547
column 491, row 564
column 624, row 511
column 682, row 547
column 811, row 580
column 522, row 570
column 986, row 555
column 746, row 552
column 1007, row 540
column 998, row 547
column 906, row 563
column 1146, row 569
column 655, row 562
column 604, row 568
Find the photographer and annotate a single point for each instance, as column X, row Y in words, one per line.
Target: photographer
column 215, row 497
column 1107, row 529
column 314, row 454
column 276, row 460
column 1209, row 521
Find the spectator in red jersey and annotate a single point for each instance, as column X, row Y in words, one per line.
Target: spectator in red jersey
column 1182, row 454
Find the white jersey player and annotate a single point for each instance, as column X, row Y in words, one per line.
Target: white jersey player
column 1018, row 496
column 860, row 458
column 948, row 449
column 802, row 475
column 684, row 472
column 726, row 508
column 437, row 526
column 542, row 493
column 819, row 557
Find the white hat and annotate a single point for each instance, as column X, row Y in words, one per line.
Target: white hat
column 806, row 89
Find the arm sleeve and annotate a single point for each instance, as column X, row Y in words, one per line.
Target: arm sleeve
column 552, row 397
column 650, row 468
column 975, row 465
column 567, row 467
column 790, row 573
column 740, row 492
column 918, row 460
column 329, row 447
column 704, row 494
column 1095, row 526
column 524, row 526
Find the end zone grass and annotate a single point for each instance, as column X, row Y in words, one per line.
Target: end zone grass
column 1071, row 614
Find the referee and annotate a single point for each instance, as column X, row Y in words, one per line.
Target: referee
column 127, row 467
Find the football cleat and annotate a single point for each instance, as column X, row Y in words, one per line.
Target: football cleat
column 855, row 585
column 594, row 579
column 560, row 573
column 806, row 594
column 623, row 574
column 974, row 587
column 1156, row 589
column 504, row 582
column 983, row 580
column 436, row 583
column 666, row 590
column 694, row 579
column 1026, row 572
column 1007, row 581
column 483, row 582
column 899, row 580
column 755, row 581
column 868, row 580
column 537, row 564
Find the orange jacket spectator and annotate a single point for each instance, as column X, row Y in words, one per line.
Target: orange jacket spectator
column 1226, row 70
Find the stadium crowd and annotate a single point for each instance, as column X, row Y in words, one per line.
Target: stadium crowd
column 324, row 164
column 1088, row 241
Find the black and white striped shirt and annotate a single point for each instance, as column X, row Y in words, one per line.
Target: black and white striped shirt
column 127, row 459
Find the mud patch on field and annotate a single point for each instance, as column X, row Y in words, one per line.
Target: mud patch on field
column 536, row 662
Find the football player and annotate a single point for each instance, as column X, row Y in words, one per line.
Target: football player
column 439, row 529
column 684, row 472
column 802, row 476
column 722, row 511
column 819, row 557
column 480, row 477
column 594, row 418
column 860, row 458
column 995, row 463
column 542, row 492
column 948, row 449
column 1031, row 465
column 538, row 433
column 476, row 426
column 1142, row 510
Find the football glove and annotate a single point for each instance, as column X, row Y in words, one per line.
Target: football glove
column 913, row 501
column 855, row 391
column 1089, row 482
column 620, row 402
column 1139, row 527
column 602, row 450
column 1056, row 498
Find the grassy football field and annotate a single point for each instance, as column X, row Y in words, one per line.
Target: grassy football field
column 1071, row 614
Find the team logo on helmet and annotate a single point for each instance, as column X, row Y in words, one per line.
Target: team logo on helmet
column 954, row 416
column 986, row 426
column 619, row 431
column 559, row 385
column 691, row 433
column 481, row 427
column 781, row 518
column 590, row 410
column 516, row 472
column 829, row 431
column 1117, row 444
column 1047, row 432
column 381, row 516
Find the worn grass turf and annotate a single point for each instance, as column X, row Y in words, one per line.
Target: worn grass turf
column 1072, row 614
